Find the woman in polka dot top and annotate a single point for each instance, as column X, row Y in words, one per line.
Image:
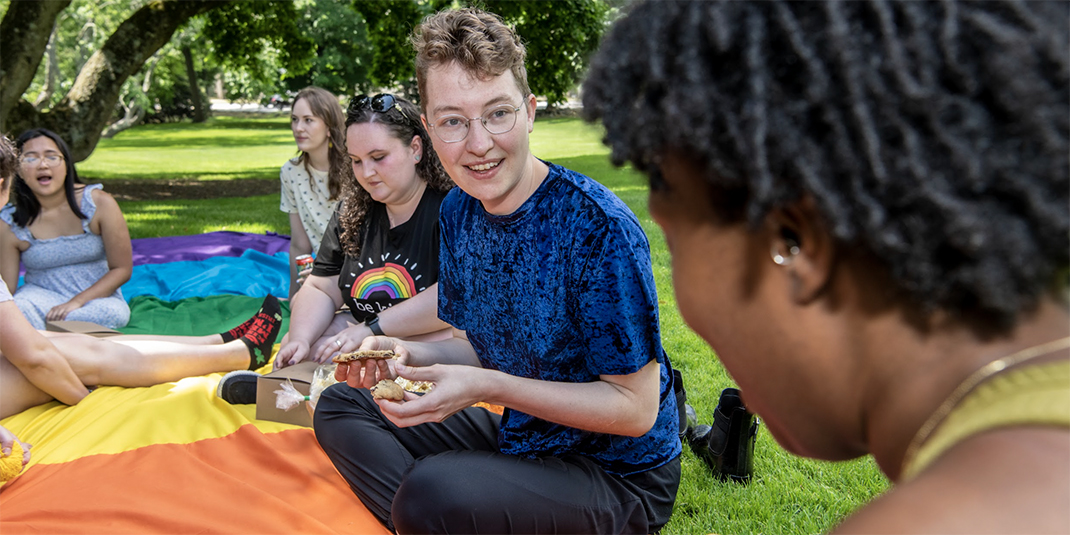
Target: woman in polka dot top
column 312, row 181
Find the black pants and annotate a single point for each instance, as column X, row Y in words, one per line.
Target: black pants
column 450, row 477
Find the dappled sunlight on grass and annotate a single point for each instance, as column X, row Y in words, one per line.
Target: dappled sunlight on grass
column 150, row 219
column 203, row 138
column 224, row 148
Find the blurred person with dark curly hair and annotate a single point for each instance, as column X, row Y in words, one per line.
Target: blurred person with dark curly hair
column 380, row 248
column 868, row 203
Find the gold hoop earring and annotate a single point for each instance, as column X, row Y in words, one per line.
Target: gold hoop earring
column 780, row 259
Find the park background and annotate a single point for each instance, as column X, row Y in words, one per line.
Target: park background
column 145, row 127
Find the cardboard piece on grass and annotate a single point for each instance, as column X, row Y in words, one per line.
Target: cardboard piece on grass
column 300, row 375
column 82, row 327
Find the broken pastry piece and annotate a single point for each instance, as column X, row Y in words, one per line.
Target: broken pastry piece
column 365, row 355
column 416, row 387
column 387, row 389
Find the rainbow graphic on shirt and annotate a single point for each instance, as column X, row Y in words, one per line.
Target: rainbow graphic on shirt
column 392, row 278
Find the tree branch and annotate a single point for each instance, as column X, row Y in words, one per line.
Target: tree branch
column 26, row 28
column 132, row 113
column 82, row 114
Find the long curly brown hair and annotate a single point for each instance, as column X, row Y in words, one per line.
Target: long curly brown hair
column 403, row 123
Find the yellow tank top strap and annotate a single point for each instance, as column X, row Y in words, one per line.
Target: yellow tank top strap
column 1037, row 394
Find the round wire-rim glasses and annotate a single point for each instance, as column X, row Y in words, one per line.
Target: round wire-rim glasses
column 454, row 128
column 50, row 160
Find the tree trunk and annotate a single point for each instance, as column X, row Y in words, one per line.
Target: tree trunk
column 25, row 28
column 200, row 114
column 82, row 114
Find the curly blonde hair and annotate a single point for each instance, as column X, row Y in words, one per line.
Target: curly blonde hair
column 477, row 40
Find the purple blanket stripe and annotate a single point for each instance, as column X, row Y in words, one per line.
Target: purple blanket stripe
column 204, row 246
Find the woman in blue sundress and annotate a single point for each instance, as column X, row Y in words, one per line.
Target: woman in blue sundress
column 71, row 238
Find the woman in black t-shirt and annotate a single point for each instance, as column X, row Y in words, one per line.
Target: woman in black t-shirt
column 380, row 248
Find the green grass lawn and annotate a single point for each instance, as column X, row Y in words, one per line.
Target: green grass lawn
column 788, row 495
column 224, row 148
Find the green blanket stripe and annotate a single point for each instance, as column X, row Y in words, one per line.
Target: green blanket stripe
column 195, row 316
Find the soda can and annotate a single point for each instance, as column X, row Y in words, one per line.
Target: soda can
column 303, row 261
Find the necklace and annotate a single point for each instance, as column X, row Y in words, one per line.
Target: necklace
column 977, row 377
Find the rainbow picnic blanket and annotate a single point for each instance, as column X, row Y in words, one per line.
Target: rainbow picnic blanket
column 174, row 458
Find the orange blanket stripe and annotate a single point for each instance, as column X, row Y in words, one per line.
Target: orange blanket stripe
column 231, row 484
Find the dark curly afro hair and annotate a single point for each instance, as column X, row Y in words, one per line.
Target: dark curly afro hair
column 933, row 135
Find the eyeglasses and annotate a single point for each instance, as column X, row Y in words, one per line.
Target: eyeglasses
column 380, row 103
column 454, row 128
column 51, row 160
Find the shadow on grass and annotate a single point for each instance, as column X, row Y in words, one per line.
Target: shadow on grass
column 260, row 173
column 170, row 189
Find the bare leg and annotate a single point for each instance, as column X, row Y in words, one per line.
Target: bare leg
column 132, row 363
column 19, row 393
column 189, row 340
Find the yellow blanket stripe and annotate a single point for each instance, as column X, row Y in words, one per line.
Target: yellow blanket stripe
column 114, row 419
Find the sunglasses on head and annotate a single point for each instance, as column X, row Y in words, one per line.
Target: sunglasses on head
column 380, row 103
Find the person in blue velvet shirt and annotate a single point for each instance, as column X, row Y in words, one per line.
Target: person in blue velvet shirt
column 546, row 278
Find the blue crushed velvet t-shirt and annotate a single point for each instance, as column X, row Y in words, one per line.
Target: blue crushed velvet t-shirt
column 560, row 290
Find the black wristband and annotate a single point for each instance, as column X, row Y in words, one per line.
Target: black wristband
column 373, row 324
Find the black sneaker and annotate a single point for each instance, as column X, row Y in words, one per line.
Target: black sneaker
column 238, row 387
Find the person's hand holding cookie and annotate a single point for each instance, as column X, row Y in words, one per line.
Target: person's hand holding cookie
column 365, row 367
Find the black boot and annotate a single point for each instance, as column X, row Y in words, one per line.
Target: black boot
column 728, row 445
